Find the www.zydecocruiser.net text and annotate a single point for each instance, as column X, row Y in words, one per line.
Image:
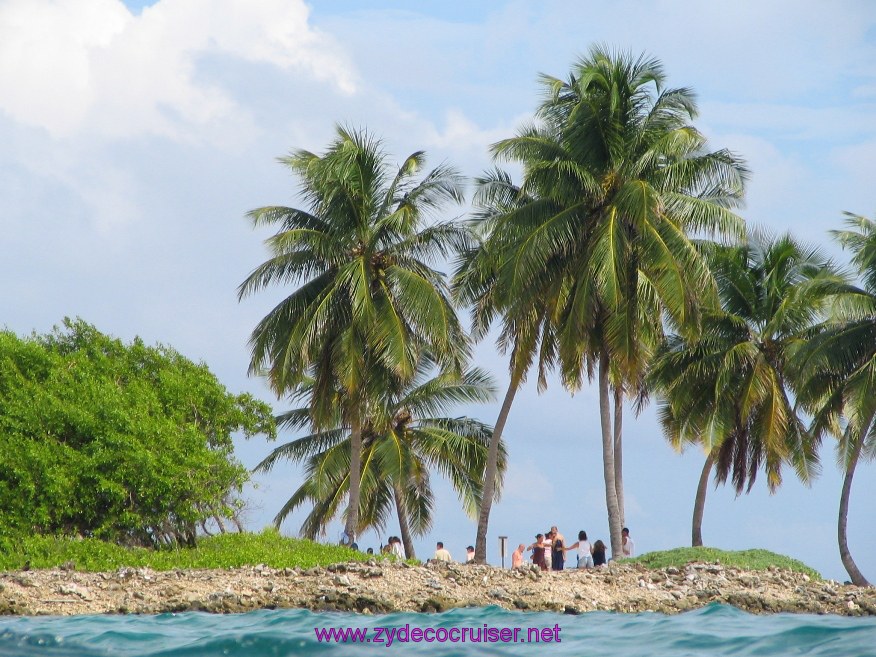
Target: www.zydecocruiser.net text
column 388, row 636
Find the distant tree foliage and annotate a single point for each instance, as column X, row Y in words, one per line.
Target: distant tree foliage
column 124, row 442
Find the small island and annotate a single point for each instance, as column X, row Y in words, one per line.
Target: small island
column 67, row 577
column 617, row 260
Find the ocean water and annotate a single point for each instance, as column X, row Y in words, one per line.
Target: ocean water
column 713, row 630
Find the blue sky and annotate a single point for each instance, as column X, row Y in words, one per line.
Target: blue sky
column 136, row 137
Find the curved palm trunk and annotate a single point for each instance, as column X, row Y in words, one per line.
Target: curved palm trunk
column 851, row 567
column 614, row 522
column 619, row 451
column 404, row 527
column 352, row 524
column 490, row 473
column 696, row 532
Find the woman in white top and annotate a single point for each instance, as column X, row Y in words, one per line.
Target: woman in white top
column 548, row 547
column 585, row 550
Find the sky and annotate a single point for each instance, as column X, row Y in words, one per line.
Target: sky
column 135, row 136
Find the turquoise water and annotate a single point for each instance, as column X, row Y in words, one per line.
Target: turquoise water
column 714, row 630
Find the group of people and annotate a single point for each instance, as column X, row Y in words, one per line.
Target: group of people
column 443, row 554
column 549, row 550
column 394, row 547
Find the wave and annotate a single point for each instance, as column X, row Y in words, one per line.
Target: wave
column 712, row 630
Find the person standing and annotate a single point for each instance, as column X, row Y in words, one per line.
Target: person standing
column 558, row 551
column 517, row 556
column 548, row 550
column 538, row 550
column 469, row 554
column 397, row 548
column 585, row 550
column 629, row 548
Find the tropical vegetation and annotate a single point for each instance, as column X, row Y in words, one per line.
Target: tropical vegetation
column 115, row 441
column 742, row 559
column 231, row 550
column 839, row 372
column 405, row 436
column 731, row 389
column 270, row 548
column 528, row 330
column 616, row 181
column 618, row 257
column 368, row 304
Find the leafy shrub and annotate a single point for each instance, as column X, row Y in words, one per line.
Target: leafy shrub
column 755, row 559
column 123, row 442
column 223, row 551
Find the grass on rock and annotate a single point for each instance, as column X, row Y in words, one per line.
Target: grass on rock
column 222, row 551
column 743, row 559
column 276, row 551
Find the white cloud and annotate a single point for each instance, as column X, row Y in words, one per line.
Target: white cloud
column 857, row 163
column 794, row 121
column 75, row 65
column 776, row 174
column 752, row 50
column 462, row 135
column 45, row 53
column 524, row 481
column 864, row 91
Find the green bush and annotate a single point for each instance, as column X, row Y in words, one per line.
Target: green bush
column 222, row 551
column 743, row 559
column 116, row 441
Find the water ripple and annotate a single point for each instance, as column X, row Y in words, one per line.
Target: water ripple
column 713, row 630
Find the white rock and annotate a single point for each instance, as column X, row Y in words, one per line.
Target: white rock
column 74, row 589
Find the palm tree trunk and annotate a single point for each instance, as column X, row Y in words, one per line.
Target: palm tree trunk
column 614, row 524
column 490, row 473
column 404, row 527
column 696, row 533
column 619, row 451
column 851, row 567
column 352, row 525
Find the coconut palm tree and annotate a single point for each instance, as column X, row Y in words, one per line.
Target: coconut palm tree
column 731, row 389
column 839, row 370
column 527, row 328
column 620, row 181
column 366, row 300
column 405, row 436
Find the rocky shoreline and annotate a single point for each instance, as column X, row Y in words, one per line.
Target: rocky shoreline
column 381, row 587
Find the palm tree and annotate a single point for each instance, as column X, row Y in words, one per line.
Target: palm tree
column 731, row 389
column 527, row 327
column 404, row 438
column 621, row 180
column 367, row 300
column 839, row 370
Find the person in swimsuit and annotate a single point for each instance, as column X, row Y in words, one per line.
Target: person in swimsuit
column 517, row 556
column 538, row 549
